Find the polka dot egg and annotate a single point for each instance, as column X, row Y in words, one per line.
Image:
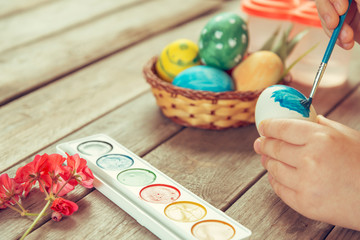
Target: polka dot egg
column 223, row 41
column 176, row 57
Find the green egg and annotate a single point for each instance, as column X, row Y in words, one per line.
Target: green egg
column 224, row 41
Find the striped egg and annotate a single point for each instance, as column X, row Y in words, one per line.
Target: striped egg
column 176, row 57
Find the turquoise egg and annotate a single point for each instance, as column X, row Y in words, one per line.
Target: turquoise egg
column 204, row 78
column 224, row 41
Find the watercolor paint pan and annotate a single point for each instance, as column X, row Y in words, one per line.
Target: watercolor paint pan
column 156, row 201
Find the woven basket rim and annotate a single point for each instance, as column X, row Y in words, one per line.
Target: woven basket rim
column 155, row 81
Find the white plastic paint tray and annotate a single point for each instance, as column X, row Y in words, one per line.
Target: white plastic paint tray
column 155, row 200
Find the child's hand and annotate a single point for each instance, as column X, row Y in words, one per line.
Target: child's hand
column 329, row 12
column 314, row 167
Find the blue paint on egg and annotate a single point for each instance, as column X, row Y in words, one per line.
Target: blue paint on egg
column 290, row 98
column 204, row 78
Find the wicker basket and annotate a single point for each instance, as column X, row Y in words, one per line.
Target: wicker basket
column 201, row 109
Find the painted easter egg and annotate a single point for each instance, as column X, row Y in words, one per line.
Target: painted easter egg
column 223, row 41
column 204, row 78
column 280, row 101
column 176, row 57
column 258, row 71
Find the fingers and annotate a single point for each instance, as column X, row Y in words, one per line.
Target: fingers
column 279, row 150
column 336, row 125
column 346, row 37
column 328, row 14
column 293, row 131
column 288, row 195
column 282, row 173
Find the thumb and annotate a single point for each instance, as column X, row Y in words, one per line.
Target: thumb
column 335, row 125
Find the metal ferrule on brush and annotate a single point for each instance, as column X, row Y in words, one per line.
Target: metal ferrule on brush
column 318, row 77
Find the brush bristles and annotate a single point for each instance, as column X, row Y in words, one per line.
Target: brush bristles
column 306, row 102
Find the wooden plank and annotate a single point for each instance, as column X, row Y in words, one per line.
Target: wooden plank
column 128, row 127
column 8, row 8
column 342, row 233
column 112, row 81
column 52, row 18
column 269, row 218
column 85, row 223
column 216, row 165
column 348, row 112
column 43, row 61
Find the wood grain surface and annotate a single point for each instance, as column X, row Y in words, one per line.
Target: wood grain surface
column 73, row 68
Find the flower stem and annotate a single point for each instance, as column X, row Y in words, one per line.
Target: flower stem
column 56, row 194
column 19, row 204
column 32, row 214
column 43, row 188
column 13, row 208
column 36, row 220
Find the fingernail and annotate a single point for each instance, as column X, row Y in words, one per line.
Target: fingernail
column 257, row 145
column 337, row 6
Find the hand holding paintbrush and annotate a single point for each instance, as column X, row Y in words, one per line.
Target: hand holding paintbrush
column 328, row 51
column 314, row 167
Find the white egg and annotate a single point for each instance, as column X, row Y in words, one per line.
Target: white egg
column 280, row 101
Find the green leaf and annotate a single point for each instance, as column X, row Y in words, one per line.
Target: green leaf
column 270, row 42
column 295, row 40
column 287, row 70
column 282, row 51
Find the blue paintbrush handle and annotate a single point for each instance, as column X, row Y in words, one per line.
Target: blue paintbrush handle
column 334, row 36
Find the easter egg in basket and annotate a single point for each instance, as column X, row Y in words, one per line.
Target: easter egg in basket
column 176, row 57
column 280, row 101
column 223, row 41
column 258, row 71
column 204, row 78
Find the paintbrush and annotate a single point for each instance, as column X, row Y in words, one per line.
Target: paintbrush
column 307, row 102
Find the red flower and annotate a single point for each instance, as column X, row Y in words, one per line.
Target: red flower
column 64, row 206
column 9, row 190
column 78, row 170
column 52, row 168
column 45, row 168
column 28, row 174
column 66, row 189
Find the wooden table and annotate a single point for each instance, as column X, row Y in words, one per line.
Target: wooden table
column 70, row 69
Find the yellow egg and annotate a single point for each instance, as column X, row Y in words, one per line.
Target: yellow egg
column 258, row 71
column 176, row 57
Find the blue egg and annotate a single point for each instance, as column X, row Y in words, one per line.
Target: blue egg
column 204, row 78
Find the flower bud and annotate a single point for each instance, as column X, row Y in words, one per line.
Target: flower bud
column 56, row 216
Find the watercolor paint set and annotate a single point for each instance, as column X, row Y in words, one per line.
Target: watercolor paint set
column 156, row 201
